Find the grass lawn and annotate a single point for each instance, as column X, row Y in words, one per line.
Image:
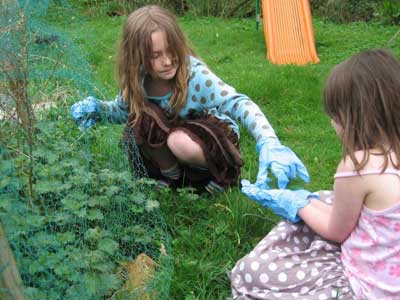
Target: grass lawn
column 210, row 235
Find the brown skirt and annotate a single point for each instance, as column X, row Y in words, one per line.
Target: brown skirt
column 218, row 141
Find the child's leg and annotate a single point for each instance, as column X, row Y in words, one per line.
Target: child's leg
column 207, row 147
column 147, row 138
column 201, row 153
column 164, row 159
column 162, row 156
column 186, row 150
column 190, row 153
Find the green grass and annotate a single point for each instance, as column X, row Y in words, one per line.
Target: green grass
column 210, row 235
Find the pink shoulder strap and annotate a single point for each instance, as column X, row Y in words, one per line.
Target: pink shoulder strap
column 366, row 172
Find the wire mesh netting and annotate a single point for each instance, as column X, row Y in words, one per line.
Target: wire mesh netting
column 76, row 221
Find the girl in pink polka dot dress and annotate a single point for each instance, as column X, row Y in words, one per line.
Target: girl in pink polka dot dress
column 348, row 245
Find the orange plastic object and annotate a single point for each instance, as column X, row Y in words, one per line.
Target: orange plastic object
column 288, row 32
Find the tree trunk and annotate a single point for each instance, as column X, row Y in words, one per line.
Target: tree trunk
column 11, row 287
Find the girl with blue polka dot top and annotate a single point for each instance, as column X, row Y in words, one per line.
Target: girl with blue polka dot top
column 181, row 116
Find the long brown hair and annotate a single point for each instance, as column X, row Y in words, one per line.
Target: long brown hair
column 133, row 57
column 362, row 94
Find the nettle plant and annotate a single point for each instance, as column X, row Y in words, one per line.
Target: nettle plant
column 84, row 222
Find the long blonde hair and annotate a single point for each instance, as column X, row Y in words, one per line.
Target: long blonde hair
column 134, row 53
column 362, row 94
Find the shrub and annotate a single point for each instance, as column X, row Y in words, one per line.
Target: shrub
column 346, row 11
column 220, row 8
column 390, row 11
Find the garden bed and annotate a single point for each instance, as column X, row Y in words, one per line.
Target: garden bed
column 78, row 234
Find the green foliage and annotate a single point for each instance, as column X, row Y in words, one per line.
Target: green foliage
column 390, row 11
column 73, row 213
column 221, row 8
column 346, row 11
column 75, row 232
column 120, row 7
column 339, row 11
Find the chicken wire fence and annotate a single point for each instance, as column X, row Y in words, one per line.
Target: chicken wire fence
column 76, row 221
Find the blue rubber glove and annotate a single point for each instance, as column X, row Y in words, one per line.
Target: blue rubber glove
column 86, row 112
column 284, row 164
column 285, row 203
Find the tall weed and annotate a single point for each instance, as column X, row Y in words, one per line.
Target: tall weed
column 220, row 8
column 346, row 11
column 390, row 11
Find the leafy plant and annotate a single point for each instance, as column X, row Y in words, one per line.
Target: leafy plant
column 390, row 11
column 222, row 8
column 345, row 11
column 85, row 223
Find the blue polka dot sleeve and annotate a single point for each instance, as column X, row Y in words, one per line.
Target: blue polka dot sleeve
column 115, row 111
column 91, row 110
column 209, row 93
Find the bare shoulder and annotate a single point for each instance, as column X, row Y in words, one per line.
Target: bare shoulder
column 347, row 165
column 369, row 190
column 375, row 162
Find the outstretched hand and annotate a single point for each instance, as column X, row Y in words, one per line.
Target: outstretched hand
column 85, row 112
column 285, row 203
column 283, row 162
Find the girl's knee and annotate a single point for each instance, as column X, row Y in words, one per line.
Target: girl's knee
column 185, row 149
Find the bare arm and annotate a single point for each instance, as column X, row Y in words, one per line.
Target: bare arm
column 317, row 215
column 336, row 222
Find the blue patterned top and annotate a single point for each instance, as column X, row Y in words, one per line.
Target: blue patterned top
column 207, row 93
